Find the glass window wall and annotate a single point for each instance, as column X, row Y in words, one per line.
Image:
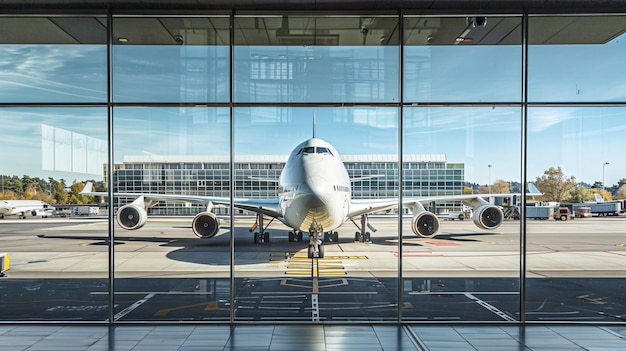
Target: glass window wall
column 446, row 108
column 53, row 268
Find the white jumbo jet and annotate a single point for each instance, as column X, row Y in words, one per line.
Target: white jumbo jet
column 22, row 208
column 315, row 198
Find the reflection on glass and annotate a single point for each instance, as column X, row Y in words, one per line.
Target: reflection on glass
column 580, row 255
column 576, row 59
column 316, row 59
column 461, row 248
column 316, row 74
column 178, row 158
column 58, row 266
column 171, row 60
column 450, row 59
column 64, row 65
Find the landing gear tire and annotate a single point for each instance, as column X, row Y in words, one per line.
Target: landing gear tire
column 261, row 237
column 292, row 237
column 299, row 236
column 365, row 238
column 331, row 237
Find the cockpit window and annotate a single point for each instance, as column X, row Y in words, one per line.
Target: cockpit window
column 324, row 150
column 299, row 152
column 309, row 150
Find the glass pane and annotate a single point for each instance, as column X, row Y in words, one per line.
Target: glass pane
column 53, row 59
column 171, row 59
column 58, row 266
column 277, row 275
column 461, row 234
column 462, row 59
column 316, row 59
column 178, row 159
column 574, row 59
column 576, row 254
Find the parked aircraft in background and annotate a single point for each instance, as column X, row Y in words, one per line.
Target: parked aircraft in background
column 25, row 208
column 315, row 198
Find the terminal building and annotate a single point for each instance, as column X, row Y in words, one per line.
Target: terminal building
column 424, row 175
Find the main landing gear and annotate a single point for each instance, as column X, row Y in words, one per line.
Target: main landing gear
column 363, row 236
column 316, row 246
column 295, row 236
column 262, row 236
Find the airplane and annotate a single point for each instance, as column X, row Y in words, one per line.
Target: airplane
column 315, row 198
column 22, row 208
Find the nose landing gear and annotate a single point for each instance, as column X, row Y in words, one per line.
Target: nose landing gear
column 316, row 245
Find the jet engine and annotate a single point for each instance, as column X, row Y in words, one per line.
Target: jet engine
column 131, row 217
column 488, row 217
column 205, row 225
column 425, row 224
column 42, row 214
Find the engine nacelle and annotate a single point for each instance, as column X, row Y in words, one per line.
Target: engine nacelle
column 425, row 224
column 131, row 217
column 205, row 225
column 488, row 217
column 42, row 214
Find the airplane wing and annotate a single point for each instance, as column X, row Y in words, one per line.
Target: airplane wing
column 268, row 207
column 359, row 207
column 426, row 224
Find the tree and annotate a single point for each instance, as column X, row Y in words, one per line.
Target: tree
column 482, row 189
column 580, row 193
column 554, row 184
column 500, row 187
column 621, row 192
column 76, row 198
column 60, row 195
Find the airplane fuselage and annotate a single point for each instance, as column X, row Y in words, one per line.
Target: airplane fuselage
column 315, row 187
column 23, row 207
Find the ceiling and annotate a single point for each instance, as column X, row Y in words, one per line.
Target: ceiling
column 302, row 27
column 351, row 5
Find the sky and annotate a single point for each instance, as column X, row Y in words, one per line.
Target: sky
column 487, row 139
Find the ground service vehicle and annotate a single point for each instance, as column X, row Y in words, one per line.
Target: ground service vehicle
column 582, row 212
column 561, row 213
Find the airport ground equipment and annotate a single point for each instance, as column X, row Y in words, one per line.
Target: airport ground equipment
column 609, row 208
column 539, row 212
column 582, row 212
column 561, row 213
column 511, row 212
column 5, row 260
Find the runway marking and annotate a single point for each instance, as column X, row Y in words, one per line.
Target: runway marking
column 593, row 301
column 441, row 243
column 132, row 307
column 490, row 307
column 210, row 306
column 152, row 293
column 308, row 284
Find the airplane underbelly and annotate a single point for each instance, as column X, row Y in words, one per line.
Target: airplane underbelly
column 328, row 212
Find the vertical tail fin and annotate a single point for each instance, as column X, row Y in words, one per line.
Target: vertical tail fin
column 599, row 198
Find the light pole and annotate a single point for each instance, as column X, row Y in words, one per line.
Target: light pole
column 489, row 179
column 603, row 166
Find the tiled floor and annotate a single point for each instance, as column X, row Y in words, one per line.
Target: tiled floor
column 311, row 337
